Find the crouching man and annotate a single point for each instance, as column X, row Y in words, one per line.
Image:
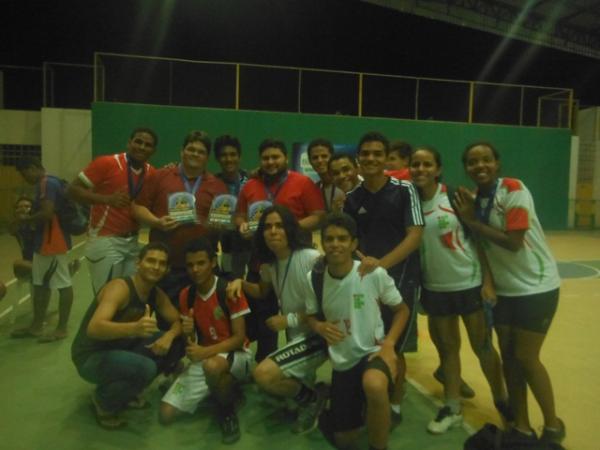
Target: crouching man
column 342, row 307
column 119, row 347
column 216, row 343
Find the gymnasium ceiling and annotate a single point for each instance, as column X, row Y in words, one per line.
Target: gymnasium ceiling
column 568, row 25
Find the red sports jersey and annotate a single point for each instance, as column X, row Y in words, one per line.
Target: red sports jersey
column 298, row 193
column 402, row 174
column 106, row 175
column 212, row 322
column 154, row 196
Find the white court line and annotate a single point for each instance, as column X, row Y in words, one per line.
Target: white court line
column 14, row 280
column 10, row 308
column 423, row 391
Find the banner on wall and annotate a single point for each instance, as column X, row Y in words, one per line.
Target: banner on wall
column 299, row 161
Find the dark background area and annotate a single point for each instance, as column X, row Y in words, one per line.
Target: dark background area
column 329, row 34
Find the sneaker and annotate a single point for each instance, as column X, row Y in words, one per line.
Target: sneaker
column 444, row 420
column 230, row 429
column 396, row 415
column 466, row 391
column 308, row 414
column 557, row 436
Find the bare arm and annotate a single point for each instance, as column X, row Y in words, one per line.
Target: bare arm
column 113, row 297
column 312, row 221
column 166, row 309
column 238, row 335
column 145, row 216
column 465, row 207
column 409, row 244
column 81, row 193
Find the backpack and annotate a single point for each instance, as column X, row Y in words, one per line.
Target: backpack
column 221, row 292
column 72, row 216
column 490, row 437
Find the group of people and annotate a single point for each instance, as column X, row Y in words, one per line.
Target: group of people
column 392, row 237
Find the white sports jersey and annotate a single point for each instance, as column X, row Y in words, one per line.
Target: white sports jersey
column 289, row 289
column 352, row 304
column 449, row 261
column 532, row 269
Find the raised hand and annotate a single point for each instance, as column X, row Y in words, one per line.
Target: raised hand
column 146, row 326
column 367, row 264
column 187, row 323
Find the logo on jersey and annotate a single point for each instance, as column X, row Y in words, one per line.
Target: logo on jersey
column 218, row 313
column 359, row 301
column 443, row 222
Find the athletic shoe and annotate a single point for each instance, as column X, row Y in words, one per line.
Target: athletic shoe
column 444, row 420
column 557, row 436
column 466, row 391
column 308, row 414
column 230, row 429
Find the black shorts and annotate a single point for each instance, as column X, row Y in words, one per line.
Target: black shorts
column 528, row 312
column 407, row 342
column 457, row 303
column 348, row 399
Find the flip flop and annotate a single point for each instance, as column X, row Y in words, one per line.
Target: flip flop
column 108, row 421
column 47, row 338
column 22, row 333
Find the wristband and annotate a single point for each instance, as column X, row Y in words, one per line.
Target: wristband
column 292, row 320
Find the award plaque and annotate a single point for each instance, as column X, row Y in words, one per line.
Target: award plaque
column 182, row 207
column 222, row 210
column 255, row 210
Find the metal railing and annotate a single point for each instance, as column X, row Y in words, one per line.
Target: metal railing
column 183, row 82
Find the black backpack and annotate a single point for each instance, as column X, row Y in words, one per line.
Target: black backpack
column 317, row 277
column 221, row 292
column 490, row 437
column 73, row 217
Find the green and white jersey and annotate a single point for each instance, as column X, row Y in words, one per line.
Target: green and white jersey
column 532, row 269
column 288, row 277
column 351, row 303
column 449, row 260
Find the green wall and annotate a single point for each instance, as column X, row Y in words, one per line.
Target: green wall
column 538, row 156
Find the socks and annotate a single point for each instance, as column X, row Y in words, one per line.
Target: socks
column 454, row 405
column 397, row 409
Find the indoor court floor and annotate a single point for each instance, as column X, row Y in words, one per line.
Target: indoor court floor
column 45, row 405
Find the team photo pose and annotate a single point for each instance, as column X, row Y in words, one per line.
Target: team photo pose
column 289, row 372
column 502, row 215
column 455, row 285
column 235, row 250
column 277, row 185
column 109, row 184
column 342, row 307
column 175, row 201
column 119, row 347
column 390, row 224
column 217, row 347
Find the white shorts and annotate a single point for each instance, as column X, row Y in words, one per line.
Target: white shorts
column 190, row 388
column 301, row 358
column 110, row 257
column 51, row 271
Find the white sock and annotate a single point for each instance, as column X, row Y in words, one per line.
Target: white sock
column 396, row 408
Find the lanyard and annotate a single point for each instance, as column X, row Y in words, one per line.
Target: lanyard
column 270, row 196
column 282, row 285
column 134, row 189
column 327, row 205
column 483, row 212
column 186, row 181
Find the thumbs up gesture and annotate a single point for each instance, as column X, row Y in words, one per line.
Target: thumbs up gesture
column 187, row 323
column 146, row 326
